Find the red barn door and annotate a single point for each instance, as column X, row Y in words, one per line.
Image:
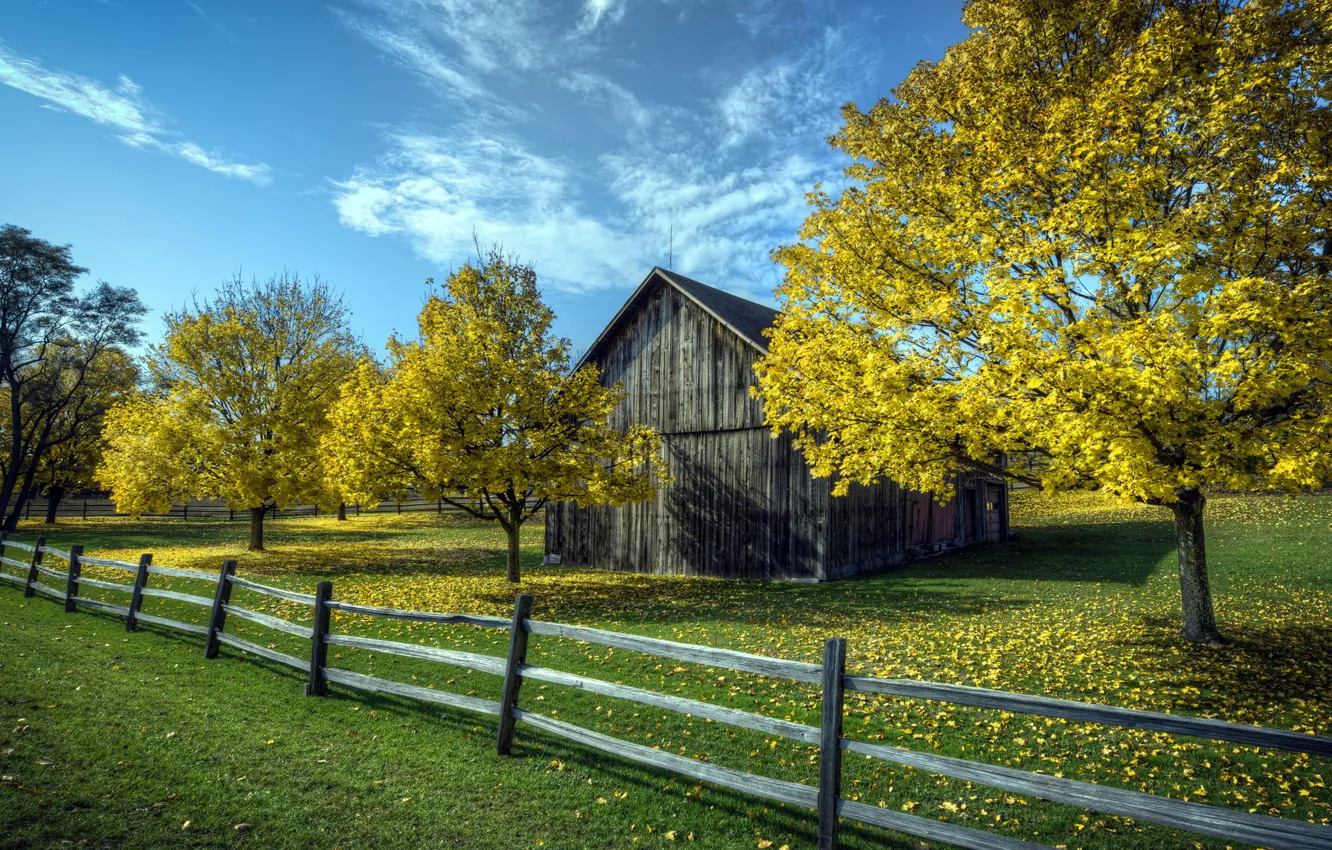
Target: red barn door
column 994, row 512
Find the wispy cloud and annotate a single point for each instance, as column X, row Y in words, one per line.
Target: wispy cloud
column 725, row 170
column 218, row 27
column 598, row 12
column 439, row 192
column 121, row 108
column 480, row 35
column 418, row 55
column 603, row 91
column 794, row 95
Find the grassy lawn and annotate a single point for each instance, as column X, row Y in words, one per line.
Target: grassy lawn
column 114, row 740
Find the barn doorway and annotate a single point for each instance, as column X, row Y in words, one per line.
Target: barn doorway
column 969, row 515
column 994, row 512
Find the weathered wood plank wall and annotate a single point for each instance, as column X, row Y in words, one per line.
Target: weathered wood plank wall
column 743, row 504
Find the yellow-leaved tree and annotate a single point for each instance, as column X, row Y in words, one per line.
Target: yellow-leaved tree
column 241, row 389
column 1098, row 232
column 482, row 412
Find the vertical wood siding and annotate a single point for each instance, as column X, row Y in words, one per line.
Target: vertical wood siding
column 742, row 504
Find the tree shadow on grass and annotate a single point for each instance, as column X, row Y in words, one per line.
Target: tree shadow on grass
column 655, row 601
column 151, row 535
column 1265, row 667
column 1117, row 553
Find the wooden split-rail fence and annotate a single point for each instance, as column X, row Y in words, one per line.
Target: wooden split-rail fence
column 825, row 798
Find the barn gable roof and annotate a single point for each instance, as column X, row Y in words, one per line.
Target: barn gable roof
column 747, row 319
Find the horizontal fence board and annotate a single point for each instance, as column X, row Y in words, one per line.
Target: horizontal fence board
column 49, row 591
column 261, row 651
column 289, row 595
column 103, row 507
column 384, row 686
column 179, row 597
column 47, row 571
column 59, row 553
column 721, row 714
column 193, row 628
column 418, row 616
column 180, row 573
column 470, row 660
column 24, row 546
column 933, row 830
column 20, row 580
column 108, row 562
column 109, row 585
column 271, row 622
column 705, row 655
column 14, row 563
column 737, row 780
column 1272, row 832
column 1202, row 727
column 102, row 606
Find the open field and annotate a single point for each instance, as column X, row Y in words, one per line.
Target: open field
column 143, row 735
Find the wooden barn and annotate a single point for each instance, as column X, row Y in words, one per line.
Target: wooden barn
column 742, row 504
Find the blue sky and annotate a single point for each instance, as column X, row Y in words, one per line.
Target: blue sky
column 174, row 142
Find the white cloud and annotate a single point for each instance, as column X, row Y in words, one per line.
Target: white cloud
column 597, row 11
column 726, row 219
column 480, row 35
column 793, row 95
column 212, row 160
column 121, row 108
column 601, row 90
column 418, row 55
column 441, row 192
column 725, row 171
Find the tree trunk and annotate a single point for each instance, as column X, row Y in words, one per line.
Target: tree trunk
column 1195, row 590
column 342, row 511
column 23, row 488
column 257, row 529
column 53, row 496
column 512, row 575
column 16, row 448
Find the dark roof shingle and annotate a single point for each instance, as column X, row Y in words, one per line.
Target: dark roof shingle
column 746, row 318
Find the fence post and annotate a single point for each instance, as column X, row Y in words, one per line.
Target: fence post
column 318, row 685
column 830, row 742
column 28, row 592
column 217, row 620
column 72, row 585
column 136, row 598
column 522, row 609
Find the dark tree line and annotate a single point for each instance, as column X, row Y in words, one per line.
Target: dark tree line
column 63, row 362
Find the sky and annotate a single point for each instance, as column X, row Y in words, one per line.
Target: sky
column 374, row 143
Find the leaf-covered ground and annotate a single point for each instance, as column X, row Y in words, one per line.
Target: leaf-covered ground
column 145, row 736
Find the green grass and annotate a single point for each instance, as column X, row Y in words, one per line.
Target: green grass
column 143, row 735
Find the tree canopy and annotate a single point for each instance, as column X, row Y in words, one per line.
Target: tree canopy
column 481, row 411
column 241, row 389
column 59, row 348
column 1097, row 232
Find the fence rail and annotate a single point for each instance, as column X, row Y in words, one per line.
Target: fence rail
column 825, row 798
column 199, row 509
